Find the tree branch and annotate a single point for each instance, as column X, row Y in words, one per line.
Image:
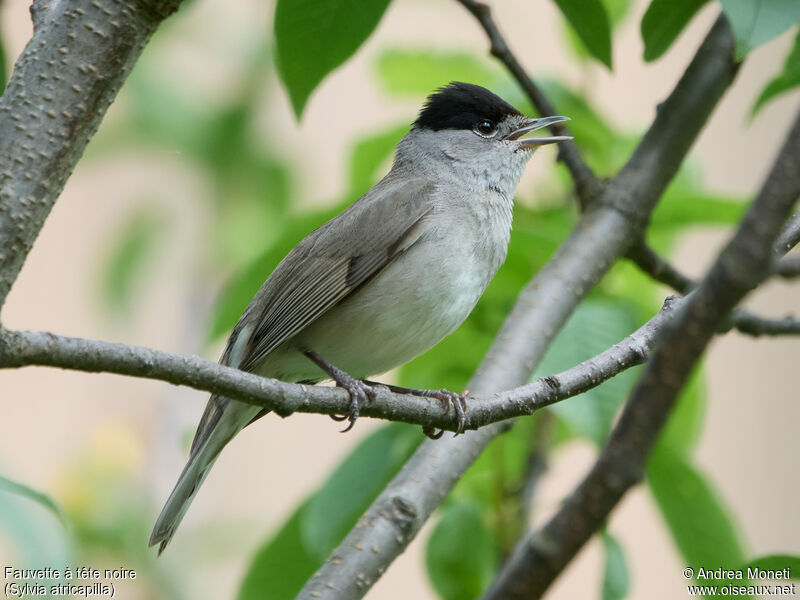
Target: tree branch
column 586, row 182
column 742, row 320
column 602, row 235
column 28, row 348
column 790, row 236
column 71, row 70
column 741, row 266
column 788, row 268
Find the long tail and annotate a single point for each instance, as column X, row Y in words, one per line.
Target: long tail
column 232, row 418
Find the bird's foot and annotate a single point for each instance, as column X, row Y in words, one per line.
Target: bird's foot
column 360, row 392
column 446, row 397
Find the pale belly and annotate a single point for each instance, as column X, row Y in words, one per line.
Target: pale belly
column 395, row 317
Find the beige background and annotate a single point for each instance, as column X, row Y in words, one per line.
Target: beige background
column 52, row 419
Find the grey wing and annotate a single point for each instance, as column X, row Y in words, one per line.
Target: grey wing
column 333, row 262
column 321, row 271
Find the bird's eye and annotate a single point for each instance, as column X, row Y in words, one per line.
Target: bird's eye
column 485, row 128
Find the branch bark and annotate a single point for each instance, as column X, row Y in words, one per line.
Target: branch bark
column 603, row 234
column 28, row 348
column 741, row 266
column 71, row 70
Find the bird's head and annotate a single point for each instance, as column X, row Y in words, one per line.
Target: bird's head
column 466, row 131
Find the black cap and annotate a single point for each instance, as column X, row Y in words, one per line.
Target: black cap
column 460, row 106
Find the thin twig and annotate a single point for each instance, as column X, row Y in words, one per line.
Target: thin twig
column 741, row 266
column 586, row 182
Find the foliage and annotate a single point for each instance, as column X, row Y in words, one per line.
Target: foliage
column 313, row 37
column 253, row 198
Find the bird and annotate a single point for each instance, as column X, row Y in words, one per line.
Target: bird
column 386, row 279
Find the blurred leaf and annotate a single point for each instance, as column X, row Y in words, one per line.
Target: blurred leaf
column 128, row 257
column 756, row 22
column 685, row 424
column 682, row 206
column 605, row 149
column 459, row 554
column 788, row 78
column 590, row 21
column 616, row 578
column 593, row 327
column 240, row 290
column 3, row 71
column 287, row 560
column 696, row 517
column 13, row 487
column 368, row 156
column 281, row 567
column 419, row 72
column 775, row 562
column 350, row 489
column 663, row 22
column 313, row 37
column 252, row 200
column 617, row 9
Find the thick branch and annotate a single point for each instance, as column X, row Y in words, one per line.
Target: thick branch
column 602, row 235
column 62, row 84
column 27, row 348
column 586, row 183
column 741, row 266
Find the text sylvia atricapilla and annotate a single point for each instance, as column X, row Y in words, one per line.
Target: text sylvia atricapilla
column 386, row 279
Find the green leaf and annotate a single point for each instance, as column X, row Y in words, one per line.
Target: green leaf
column 418, row 72
column 756, row 22
column 286, row 561
column 281, row 567
column 3, row 71
column 369, row 155
column 616, row 578
column 684, row 205
column 786, row 80
column 696, row 517
column 685, row 422
column 350, row 489
column 596, row 325
column 605, row 149
column 617, row 10
column 125, row 262
column 241, row 289
column 313, row 37
column 7, row 485
column 459, row 555
column 663, row 22
column 590, row 21
column 775, row 562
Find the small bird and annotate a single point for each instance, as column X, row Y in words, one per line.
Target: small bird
column 386, row 279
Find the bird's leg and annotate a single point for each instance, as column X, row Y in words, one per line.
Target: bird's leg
column 446, row 397
column 360, row 391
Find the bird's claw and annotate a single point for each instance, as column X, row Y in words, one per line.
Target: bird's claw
column 360, row 394
column 448, row 399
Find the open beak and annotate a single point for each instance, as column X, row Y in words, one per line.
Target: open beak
column 533, row 125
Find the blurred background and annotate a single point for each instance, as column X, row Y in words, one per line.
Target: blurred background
column 201, row 178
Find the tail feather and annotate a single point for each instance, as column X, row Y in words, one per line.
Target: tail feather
column 232, row 420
